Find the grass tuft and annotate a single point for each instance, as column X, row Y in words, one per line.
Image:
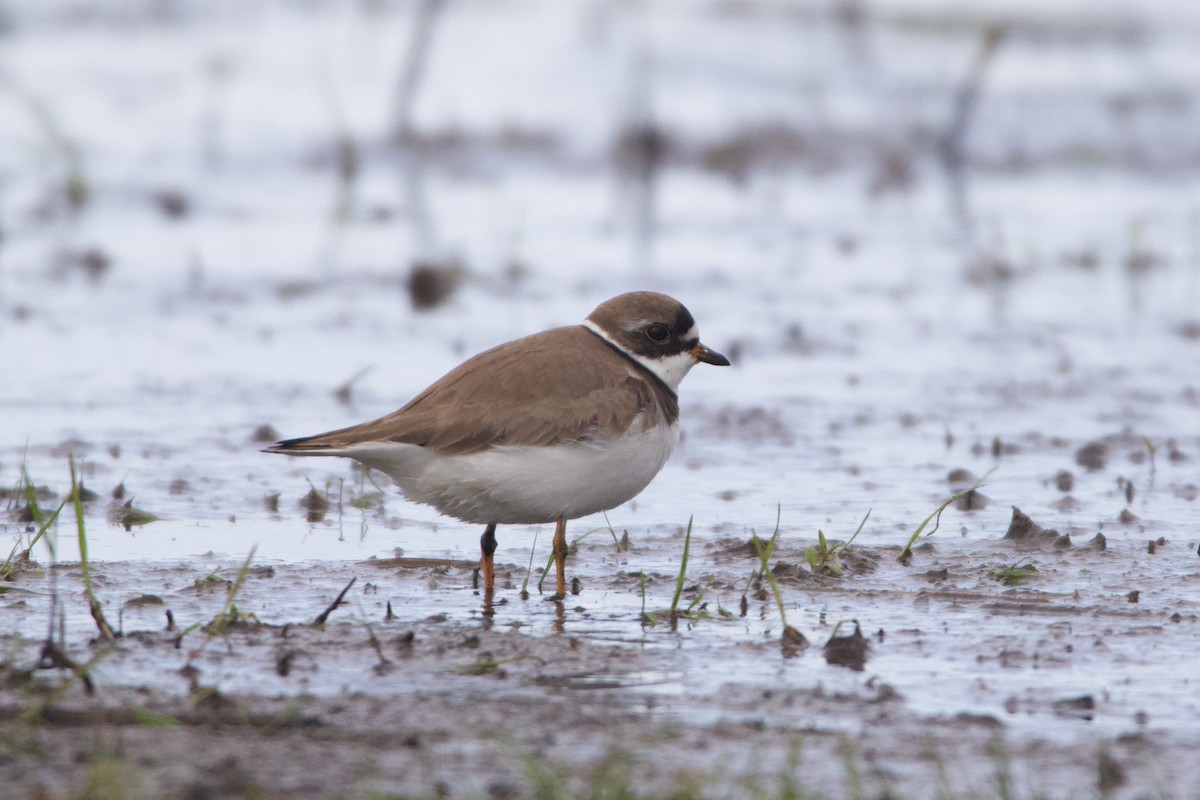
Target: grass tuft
column 1016, row 574
column 485, row 667
column 129, row 516
column 230, row 614
column 21, row 559
column 825, row 557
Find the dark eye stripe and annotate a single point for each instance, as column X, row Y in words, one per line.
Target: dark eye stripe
column 658, row 332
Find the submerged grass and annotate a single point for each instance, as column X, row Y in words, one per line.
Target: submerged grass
column 1015, row 574
column 129, row 516
column 483, row 667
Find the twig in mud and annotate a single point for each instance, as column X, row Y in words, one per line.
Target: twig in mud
column 337, row 601
column 54, row 657
column 105, row 629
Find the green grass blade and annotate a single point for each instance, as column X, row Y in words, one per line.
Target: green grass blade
column 106, row 631
column 687, row 543
column 937, row 515
column 529, row 570
column 858, row 530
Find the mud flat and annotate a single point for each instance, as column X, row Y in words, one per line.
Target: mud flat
column 939, row 244
column 962, row 680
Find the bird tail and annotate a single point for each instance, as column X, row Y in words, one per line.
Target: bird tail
column 318, row 445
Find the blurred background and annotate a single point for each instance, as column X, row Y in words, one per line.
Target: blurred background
column 931, row 235
column 941, row 241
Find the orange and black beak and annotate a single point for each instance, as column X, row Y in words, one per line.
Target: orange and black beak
column 702, row 353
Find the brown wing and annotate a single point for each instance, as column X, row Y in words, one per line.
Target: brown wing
column 562, row 385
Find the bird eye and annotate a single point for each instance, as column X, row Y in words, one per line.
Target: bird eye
column 658, row 333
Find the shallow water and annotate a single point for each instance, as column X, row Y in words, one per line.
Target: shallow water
column 881, row 338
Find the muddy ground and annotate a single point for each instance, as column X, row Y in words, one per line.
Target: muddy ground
column 941, row 243
column 247, row 696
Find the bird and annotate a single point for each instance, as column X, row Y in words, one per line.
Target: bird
column 547, row 428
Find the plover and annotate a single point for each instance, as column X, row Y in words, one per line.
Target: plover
column 546, row 428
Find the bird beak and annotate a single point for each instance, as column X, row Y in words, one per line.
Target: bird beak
column 702, row 353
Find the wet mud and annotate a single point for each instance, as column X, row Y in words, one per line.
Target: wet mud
column 944, row 507
column 253, row 680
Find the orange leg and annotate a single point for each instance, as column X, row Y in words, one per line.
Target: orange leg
column 487, row 546
column 560, row 556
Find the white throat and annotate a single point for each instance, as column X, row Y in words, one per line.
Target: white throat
column 669, row 369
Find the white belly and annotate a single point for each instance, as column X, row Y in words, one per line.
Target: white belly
column 517, row 484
